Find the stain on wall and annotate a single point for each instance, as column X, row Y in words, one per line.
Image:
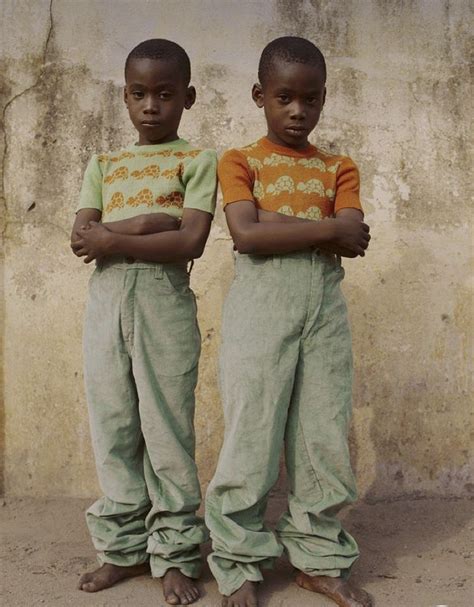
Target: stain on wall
column 397, row 103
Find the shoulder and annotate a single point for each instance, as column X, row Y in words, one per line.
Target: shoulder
column 335, row 162
column 105, row 158
column 196, row 161
column 234, row 158
column 204, row 155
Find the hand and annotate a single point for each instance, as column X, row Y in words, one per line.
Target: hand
column 76, row 238
column 94, row 242
column 351, row 237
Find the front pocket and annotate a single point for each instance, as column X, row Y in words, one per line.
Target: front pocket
column 172, row 280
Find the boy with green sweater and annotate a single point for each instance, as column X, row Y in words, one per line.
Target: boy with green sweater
column 144, row 212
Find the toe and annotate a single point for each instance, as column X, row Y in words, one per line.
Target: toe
column 89, row 587
column 195, row 593
column 172, row 598
column 83, row 580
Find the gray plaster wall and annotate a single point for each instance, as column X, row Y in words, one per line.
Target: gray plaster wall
column 398, row 103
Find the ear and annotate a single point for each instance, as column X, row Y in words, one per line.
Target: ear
column 190, row 97
column 257, row 94
column 125, row 95
column 324, row 98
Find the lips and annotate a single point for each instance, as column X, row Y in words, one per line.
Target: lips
column 150, row 123
column 296, row 129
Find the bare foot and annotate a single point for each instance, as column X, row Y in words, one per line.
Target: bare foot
column 178, row 589
column 340, row 591
column 245, row 596
column 108, row 575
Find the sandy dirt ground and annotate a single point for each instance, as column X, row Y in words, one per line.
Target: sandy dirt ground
column 415, row 553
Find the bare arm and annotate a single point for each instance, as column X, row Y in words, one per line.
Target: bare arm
column 253, row 236
column 176, row 245
column 346, row 214
column 150, row 223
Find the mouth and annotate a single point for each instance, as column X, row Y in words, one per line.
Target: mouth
column 150, row 123
column 296, row 130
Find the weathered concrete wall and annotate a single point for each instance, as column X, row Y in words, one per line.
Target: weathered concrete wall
column 398, row 102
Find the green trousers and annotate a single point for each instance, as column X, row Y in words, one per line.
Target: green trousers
column 141, row 351
column 286, row 376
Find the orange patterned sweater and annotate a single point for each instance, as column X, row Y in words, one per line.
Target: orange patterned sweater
column 309, row 183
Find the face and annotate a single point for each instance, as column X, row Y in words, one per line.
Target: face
column 155, row 96
column 292, row 97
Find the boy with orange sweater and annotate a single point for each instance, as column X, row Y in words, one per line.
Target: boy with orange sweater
column 286, row 360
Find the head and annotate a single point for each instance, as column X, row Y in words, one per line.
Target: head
column 291, row 89
column 157, row 75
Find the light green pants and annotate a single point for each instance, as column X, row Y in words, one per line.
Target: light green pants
column 286, row 375
column 141, row 347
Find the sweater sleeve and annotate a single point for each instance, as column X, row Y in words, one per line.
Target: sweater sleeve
column 91, row 190
column 347, row 186
column 235, row 177
column 200, row 182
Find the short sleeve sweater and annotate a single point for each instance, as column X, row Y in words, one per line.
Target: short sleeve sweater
column 164, row 178
column 309, row 183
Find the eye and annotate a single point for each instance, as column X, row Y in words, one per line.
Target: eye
column 165, row 95
column 311, row 100
column 137, row 94
column 283, row 98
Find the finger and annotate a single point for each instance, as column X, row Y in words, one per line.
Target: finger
column 88, row 259
column 365, row 227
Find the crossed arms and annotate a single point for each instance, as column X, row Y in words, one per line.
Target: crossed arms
column 162, row 238
column 151, row 237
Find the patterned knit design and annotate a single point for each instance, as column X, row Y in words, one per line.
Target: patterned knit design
column 310, row 184
column 152, row 178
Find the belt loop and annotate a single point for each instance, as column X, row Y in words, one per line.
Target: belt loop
column 159, row 271
column 277, row 261
column 191, row 266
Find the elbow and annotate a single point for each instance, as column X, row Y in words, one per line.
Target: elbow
column 195, row 249
column 196, row 252
column 244, row 244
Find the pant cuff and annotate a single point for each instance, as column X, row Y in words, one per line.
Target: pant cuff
column 123, row 560
column 160, row 566
column 231, row 579
column 229, row 587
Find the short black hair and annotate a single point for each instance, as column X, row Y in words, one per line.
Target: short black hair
column 159, row 48
column 290, row 49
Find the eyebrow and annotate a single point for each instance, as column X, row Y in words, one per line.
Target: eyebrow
column 159, row 85
column 314, row 91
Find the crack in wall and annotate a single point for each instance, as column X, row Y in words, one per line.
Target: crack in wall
column 5, row 222
column 10, row 102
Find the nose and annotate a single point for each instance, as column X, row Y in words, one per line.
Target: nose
column 297, row 110
column 151, row 105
